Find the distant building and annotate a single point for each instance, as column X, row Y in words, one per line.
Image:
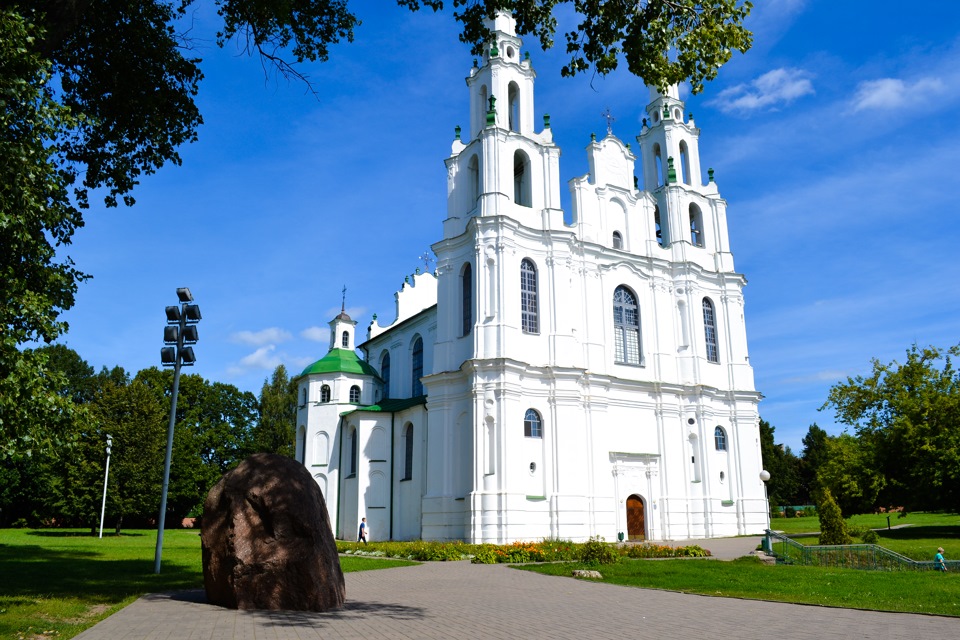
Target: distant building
column 550, row 379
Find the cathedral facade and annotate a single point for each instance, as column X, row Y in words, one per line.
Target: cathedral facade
column 550, row 379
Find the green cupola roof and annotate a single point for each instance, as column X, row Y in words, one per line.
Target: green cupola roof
column 341, row 361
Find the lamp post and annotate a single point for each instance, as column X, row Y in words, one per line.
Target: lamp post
column 106, row 474
column 181, row 330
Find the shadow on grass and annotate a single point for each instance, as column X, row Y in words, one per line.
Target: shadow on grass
column 46, row 533
column 929, row 532
column 34, row 571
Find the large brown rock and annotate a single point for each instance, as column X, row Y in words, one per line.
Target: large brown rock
column 267, row 542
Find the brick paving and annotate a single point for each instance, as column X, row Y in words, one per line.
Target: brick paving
column 460, row 600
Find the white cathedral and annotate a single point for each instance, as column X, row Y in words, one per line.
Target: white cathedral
column 550, row 380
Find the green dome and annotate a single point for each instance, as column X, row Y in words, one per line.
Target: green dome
column 341, row 361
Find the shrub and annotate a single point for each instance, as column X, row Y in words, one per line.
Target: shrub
column 833, row 530
column 596, row 551
column 870, row 537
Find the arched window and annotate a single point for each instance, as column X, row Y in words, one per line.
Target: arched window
column 710, row 331
column 302, row 443
column 303, row 396
column 345, row 339
column 466, row 299
column 617, row 240
column 385, row 373
column 355, row 394
column 417, row 359
column 408, row 453
column 658, row 164
column 696, row 226
column 658, row 227
column 325, row 393
column 532, row 424
column 522, row 191
column 513, row 104
column 354, row 451
column 481, row 110
column 684, row 162
column 626, row 327
column 529, row 304
column 720, row 439
column 473, row 185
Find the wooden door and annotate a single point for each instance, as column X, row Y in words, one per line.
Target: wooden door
column 636, row 527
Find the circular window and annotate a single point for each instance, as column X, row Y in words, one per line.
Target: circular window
column 691, row 421
column 510, row 52
column 533, row 467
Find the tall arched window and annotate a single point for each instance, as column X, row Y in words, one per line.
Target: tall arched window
column 385, row 373
column 466, row 299
column 303, row 396
column 325, row 393
column 354, row 451
column 532, row 424
column 408, row 453
column 658, row 164
column 417, row 358
column 659, row 228
column 345, row 339
column 355, row 394
column 529, row 304
column 513, row 99
column 626, row 327
column 522, row 190
column 710, row 331
column 617, row 240
column 473, row 184
column 684, row 162
column 696, row 226
column 720, row 439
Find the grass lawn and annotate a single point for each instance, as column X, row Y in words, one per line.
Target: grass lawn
column 907, row 591
column 58, row 582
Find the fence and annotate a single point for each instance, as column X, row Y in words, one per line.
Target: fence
column 849, row 556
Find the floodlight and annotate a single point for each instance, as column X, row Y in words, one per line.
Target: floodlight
column 190, row 334
column 168, row 356
column 173, row 314
column 186, row 355
column 171, row 333
column 183, row 293
column 192, row 312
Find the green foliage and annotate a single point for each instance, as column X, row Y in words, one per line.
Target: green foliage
column 595, row 552
column 784, row 486
column 905, row 417
column 833, row 529
column 849, row 474
column 813, row 457
column 275, row 430
column 648, row 550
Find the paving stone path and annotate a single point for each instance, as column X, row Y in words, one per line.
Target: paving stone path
column 461, row 600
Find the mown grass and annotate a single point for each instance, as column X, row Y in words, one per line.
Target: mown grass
column 907, row 591
column 55, row 582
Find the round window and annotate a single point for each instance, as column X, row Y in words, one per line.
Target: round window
column 533, row 467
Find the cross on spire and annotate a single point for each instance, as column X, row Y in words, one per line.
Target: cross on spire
column 608, row 116
column 427, row 259
column 343, row 303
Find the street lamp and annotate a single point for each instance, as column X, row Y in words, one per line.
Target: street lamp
column 765, row 476
column 106, row 474
column 181, row 331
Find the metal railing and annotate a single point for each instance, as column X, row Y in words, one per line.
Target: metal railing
column 870, row 557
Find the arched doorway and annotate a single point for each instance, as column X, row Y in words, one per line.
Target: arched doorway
column 636, row 526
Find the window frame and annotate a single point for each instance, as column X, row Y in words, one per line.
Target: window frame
column 532, row 424
column 416, row 367
column 529, row 297
column 355, row 394
column 626, row 351
column 720, row 439
column 710, row 331
column 325, row 394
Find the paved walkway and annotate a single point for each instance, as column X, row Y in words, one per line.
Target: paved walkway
column 460, row 600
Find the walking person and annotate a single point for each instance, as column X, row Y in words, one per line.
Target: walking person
column 938, row 562
column 362, row 536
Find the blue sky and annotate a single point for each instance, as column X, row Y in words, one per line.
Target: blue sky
column 835, row 141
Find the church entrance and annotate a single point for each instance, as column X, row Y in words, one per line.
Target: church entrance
column 636, row 526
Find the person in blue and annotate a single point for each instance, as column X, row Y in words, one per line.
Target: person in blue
column 363, row 531
column 938, row 563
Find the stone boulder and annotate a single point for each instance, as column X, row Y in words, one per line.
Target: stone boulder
column 267, row 541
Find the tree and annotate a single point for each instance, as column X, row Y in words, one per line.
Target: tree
column 907, row 417
column 276, row 428
column 848, row 474
column 833, row 529
column 784, row 484
column 812, row 458
column 98, row 93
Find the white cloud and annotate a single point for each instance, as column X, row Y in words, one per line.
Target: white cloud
column 772, row 89
column 262, row 358
column 316, row 334
column 271, row 335
column 893, row 93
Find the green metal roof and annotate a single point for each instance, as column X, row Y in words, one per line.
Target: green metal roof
column 341, row 361
column 391, row 405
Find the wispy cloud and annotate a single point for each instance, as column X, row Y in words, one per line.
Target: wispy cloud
column 893, row 93
column 316, row 334
column 273, row 335
column 769, row 91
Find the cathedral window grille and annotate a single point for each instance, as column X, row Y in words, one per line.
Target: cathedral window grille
column 529, row 304
column 345, row 339
column 355, row 394
column 325, row 393
column 626, row 327
column 466, row 293
column 710, row 331
column 532, row 424
column 696, row 226
column 720, row 439
column 417, row 389
column 617, row 240
column 385, row 373
column 408, row 453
